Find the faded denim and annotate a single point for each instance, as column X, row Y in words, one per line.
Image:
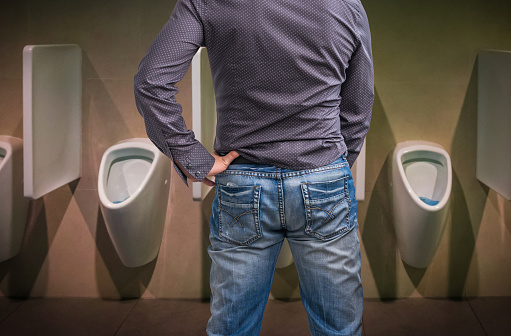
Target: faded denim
column 255, row 208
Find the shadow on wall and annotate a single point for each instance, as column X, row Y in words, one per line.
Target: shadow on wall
column 11, row 105
column 285, row 283
column 504, row 209
column 377, row 232
column 130, row 282
column 19, row 274
column 103, row 124
column 18, row 131
column 462, row 241
column 467, row 206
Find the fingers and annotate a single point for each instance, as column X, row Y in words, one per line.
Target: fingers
column 234, row 154
column 227, row 159
column 222, row 162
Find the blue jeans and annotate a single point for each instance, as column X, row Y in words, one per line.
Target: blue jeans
column 255, row 208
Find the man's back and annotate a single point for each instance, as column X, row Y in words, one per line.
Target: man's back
column 278, row 67
column 293, row 79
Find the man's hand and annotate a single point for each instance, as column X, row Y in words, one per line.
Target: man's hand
column 221, row 164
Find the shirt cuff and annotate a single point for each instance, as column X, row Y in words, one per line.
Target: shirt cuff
column 196, row 160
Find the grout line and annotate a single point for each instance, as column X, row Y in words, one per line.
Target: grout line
column 11, row 313
column 27, row 36
column 127, row 315
column 477, row 317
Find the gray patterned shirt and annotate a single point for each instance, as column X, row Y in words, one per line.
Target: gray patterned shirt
column 293, row 81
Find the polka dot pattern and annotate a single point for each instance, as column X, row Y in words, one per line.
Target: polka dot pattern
column 293, row 80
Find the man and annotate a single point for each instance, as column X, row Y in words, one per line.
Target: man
column 294, row 90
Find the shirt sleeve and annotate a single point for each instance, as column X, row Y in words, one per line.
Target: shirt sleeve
column 357, row 91
column 165, row 64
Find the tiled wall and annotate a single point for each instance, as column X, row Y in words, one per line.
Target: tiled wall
column 426, row 86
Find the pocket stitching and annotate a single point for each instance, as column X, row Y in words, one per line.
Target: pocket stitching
column 324, row 182
column 238, row 205
column 329, row 213
column 315, row 200
column 255, row 211
column 236, row 218
column 308, row 215
column 310, row 200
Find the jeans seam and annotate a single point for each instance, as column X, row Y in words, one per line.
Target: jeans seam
column 235, row 219
column 281, row 204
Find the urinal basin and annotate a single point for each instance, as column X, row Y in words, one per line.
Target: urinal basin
column 13, row 205
column 421, row 187
column 425, row 168
column 133, row 187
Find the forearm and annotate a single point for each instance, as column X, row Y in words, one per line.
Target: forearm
column 163, row 66
column 357, row 92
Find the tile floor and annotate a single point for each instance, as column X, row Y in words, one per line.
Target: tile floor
column 479, row 316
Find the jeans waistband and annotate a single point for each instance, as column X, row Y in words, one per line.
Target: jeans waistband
column 275, row 172
column 241, row 160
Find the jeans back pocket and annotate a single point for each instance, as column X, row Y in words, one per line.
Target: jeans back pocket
column 327, row 207
column 239, row 213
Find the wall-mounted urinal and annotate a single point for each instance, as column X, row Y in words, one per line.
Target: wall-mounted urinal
column 421, row 186
column 133, row 187
column 13, row 205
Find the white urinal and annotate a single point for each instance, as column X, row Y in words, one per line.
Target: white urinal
column 13, row 205
column 421, row 186
column 133, row 187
